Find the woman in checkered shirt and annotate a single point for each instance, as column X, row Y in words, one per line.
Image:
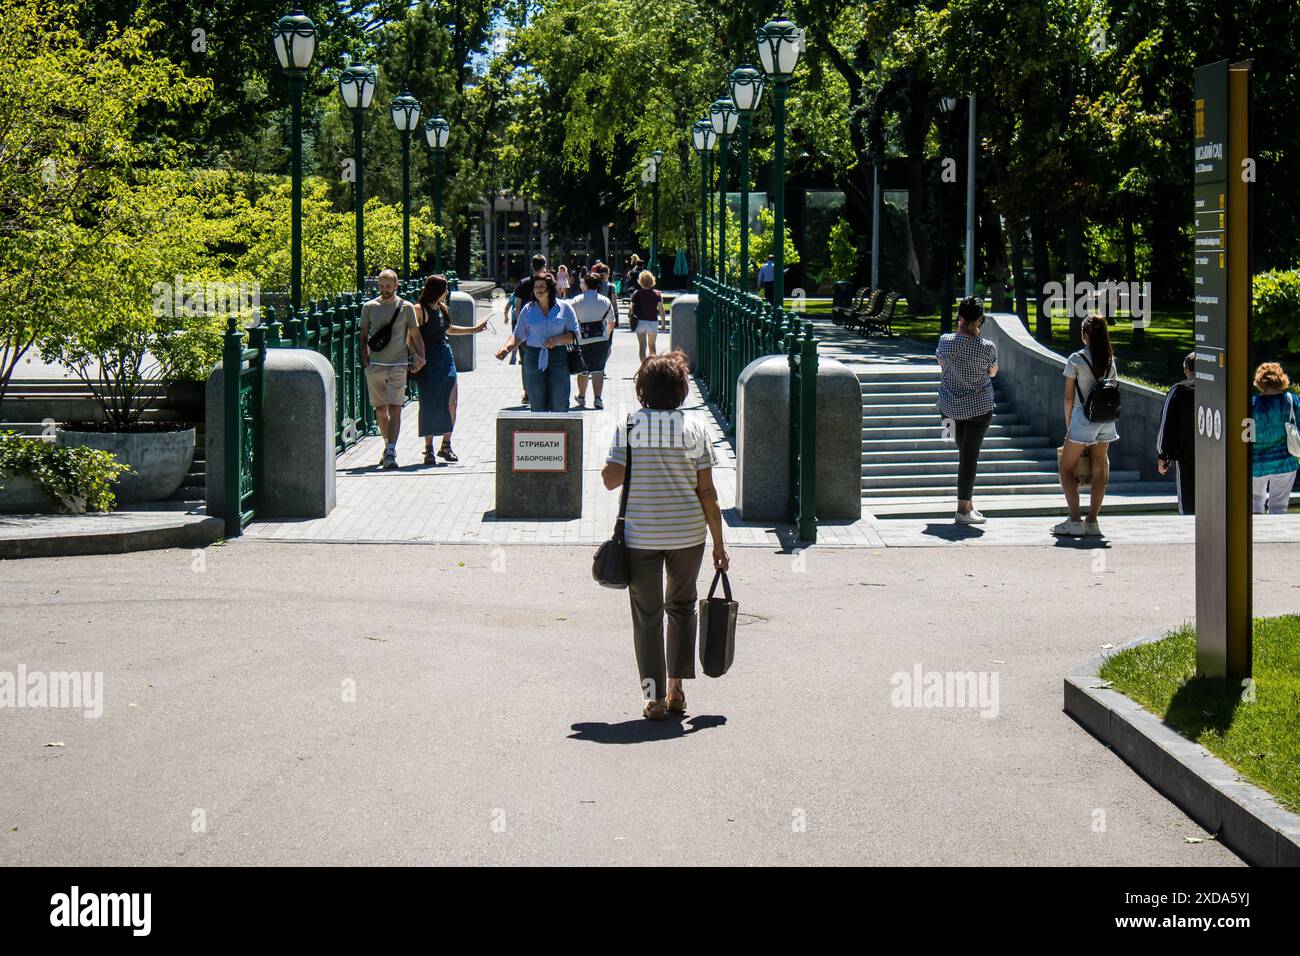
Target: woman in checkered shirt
column 968, row 363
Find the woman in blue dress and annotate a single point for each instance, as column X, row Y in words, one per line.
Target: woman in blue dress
column 437, row 379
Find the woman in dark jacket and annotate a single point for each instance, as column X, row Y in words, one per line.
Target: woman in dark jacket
column 437, row 379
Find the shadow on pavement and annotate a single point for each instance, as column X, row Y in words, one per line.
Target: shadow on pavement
column 953, row 532
column 641, row 731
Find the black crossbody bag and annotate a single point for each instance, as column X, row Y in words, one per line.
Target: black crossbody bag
column 611, row 567
column 380, row 338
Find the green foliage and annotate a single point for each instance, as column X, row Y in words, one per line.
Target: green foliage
column 1275, row 308
column 76, row 479
column 843, row 252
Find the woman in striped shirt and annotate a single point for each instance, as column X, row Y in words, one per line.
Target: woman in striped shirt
column 670, row 502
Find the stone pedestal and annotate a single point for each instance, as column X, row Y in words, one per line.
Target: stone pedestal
column 682, row 331
column 763, row 441
column 539, row 465
column 298, row 473
column 461, row 307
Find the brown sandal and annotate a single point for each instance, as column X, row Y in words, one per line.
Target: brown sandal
column 677, row 702
column 655, row 710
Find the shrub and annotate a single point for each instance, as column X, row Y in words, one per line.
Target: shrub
column 77, row 479
column 1275, row 308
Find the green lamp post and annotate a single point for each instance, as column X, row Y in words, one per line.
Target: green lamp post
column 653, row 170
column 779, row 44
column 405, row 110
column 294, row 39
column 437, row 131
column 702, row 137
column 746, row 85
column 723, row 115
column 357, row 88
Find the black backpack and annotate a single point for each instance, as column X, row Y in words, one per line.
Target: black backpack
column 1103, row 401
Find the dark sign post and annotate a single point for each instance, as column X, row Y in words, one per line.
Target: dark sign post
column 1222, row 327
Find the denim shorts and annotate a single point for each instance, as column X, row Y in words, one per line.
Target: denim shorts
column 1088, row 433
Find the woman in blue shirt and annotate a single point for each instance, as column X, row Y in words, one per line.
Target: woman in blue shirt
column 1272, row 466
column 545, row 326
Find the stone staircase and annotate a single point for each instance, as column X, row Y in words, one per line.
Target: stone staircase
column 910, row 470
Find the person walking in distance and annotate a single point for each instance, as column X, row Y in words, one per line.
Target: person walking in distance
column 522, row 296
column 1272, row 463
column 437, row 380
column 595, row 325
column 1176, row 438
column 1084, row 369
column 671, row 501
column 562, row 281
column 968, row 363
column 646, row 314
column 766, row 277
column 393, row 320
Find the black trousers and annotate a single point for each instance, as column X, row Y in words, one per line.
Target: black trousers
column 769, row 290
column 969, row 433
column 1186, row 488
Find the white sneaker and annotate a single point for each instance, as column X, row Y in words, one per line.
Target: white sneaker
column 971, row 517
column 1069, row 529
column 1091, row 528
column 582, row 401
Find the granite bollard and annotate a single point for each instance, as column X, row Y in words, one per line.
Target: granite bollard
column 461, row 307
column 539, row 464
column 298, row 473
column 763, row 441
column 682, row 332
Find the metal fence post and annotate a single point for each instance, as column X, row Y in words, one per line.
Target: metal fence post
column 232, row 359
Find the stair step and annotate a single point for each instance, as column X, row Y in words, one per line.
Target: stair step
column 987, row 466
column 935, row 442
column 922, row 486
column 950, row 454
column 917, row 396
column 935, row 431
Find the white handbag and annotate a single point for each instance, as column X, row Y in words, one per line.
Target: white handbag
column 1292, row 433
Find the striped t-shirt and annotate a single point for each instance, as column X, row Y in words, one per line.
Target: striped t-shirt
column 668, row 449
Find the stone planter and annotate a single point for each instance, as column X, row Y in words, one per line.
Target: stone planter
column 159, row 459
column 23, row 496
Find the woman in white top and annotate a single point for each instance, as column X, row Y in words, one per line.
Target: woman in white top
column 671, row 502
column 562, row 282
column 1083, row 369
column 595, row 325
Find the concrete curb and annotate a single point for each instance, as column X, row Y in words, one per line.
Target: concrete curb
column 140, row 531
column 1245, row 818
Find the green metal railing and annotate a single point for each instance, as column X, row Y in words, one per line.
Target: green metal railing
column 734, row 328
column 330, row 327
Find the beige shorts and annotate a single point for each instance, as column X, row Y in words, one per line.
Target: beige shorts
column 387, row 384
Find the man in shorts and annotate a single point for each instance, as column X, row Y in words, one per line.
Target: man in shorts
column 386, row 367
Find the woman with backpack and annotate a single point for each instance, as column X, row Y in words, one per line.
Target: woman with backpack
column 1273, row 460
column 1091, row 410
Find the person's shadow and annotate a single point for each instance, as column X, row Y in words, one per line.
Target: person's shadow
column 641, row 731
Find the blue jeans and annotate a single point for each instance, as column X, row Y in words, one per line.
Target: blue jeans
column 548, row 388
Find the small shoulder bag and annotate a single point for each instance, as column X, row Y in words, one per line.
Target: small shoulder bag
column 380, row 338
column 611, row 567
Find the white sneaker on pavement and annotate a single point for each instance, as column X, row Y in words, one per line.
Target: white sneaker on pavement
column 971, row 517
column 1092, row 528
column 1069, row 529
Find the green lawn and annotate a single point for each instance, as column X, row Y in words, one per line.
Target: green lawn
column 1259, row 739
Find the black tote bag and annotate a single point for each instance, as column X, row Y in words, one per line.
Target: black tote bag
column 718, row 628
column 611, row 568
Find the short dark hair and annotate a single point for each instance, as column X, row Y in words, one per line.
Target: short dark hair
column 970, row 309
column 551, row 292
column 664, row 380
column 539, row 263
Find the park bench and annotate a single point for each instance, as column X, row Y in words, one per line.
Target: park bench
column 839, row 313
column 854, row 319
column 880, row 322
